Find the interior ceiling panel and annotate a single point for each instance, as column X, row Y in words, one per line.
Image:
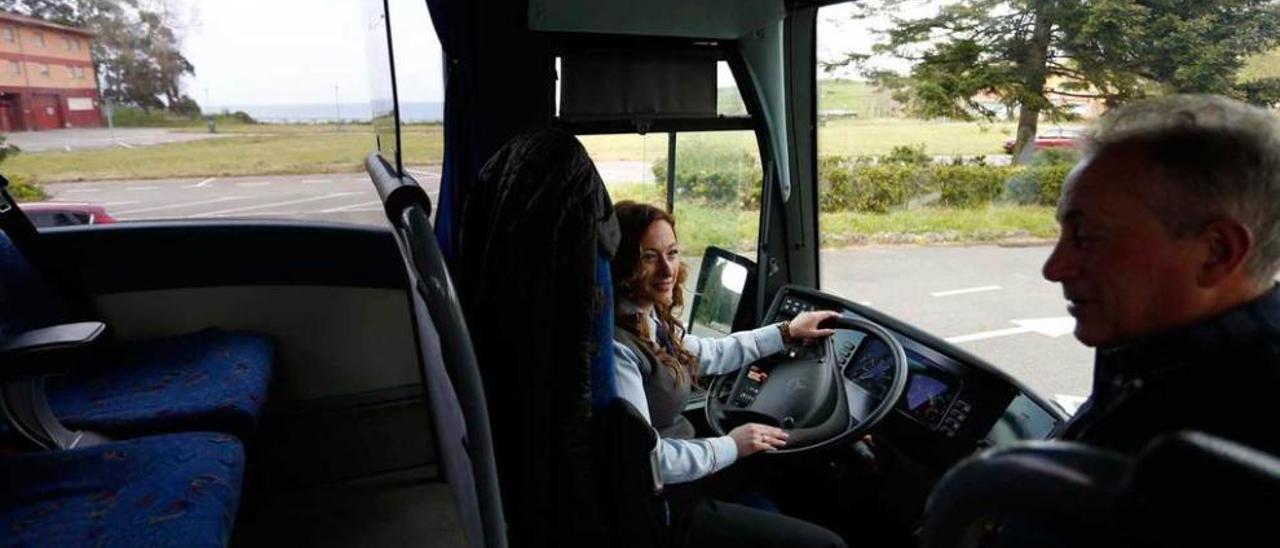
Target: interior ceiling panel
column 710, row 19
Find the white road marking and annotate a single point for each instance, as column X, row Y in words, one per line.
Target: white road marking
column 181, row 205
column 350, row 207
column 67, row 148
column 1049, row 327
column 965, row 291
column 203, row 183
column 124, row 144
column 80, row 190
column 127, row 202
column 254, row 183
column 275, row 204
column 142, row 188
column 316, row 181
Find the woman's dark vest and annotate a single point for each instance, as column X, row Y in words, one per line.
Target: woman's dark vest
column 666, row 397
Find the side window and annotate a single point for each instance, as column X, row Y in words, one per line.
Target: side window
column 38, row 38
column 923, row 214
column 714, row 188
column 716, row 183
column 8, row 35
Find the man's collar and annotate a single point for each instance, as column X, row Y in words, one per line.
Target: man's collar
column 1248, row 322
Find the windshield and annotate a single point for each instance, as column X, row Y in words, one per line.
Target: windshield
column 946, row 130
column 170, row 109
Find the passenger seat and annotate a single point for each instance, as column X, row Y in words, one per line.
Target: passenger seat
column 171, row 490
column 212, row 380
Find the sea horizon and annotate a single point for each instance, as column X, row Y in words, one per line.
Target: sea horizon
column 314, row 113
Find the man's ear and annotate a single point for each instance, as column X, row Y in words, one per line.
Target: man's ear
column 1228, row 245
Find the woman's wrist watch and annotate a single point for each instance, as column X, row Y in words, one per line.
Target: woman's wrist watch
column 784, row 328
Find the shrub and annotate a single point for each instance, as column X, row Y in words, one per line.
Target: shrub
column 1056, row 156
column 907, row 155
column 969, row 186
column 718, row 178
column 23, row 190
column 849, row 184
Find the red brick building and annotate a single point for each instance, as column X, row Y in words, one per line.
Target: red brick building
column 46, row 76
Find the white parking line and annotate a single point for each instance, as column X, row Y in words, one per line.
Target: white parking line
column 275, row 204
column 142, row 188
column 254, row 183
column 203, row 183
column 966, row 291
column 1049, row 327
column 350, row 207
column 181, row 205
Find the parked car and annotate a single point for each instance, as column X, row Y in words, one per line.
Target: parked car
column 1057, row 137
column 47, row 214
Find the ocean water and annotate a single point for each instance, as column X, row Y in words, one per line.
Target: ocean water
column 347, row 112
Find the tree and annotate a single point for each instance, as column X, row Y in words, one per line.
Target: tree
column 136, row 52
column 1027, row 53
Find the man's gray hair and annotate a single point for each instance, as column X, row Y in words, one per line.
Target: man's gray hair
column 1217, row 158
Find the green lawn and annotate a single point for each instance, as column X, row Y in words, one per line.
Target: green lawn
column 247, row 150
column 844, row 137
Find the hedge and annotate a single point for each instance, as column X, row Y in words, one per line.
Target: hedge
column 863, row 184
column 23, row 190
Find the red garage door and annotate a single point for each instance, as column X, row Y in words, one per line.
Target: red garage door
column 46, row 111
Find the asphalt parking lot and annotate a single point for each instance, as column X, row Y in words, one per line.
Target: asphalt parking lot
column 68, row 140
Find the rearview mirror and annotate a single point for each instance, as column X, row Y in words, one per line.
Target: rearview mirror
column 723, row 278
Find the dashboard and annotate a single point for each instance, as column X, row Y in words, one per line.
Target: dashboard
column 953, row 403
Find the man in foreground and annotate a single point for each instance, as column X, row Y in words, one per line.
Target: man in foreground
column 1169, row 249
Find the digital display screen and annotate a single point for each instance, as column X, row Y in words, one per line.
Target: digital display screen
column 929, row 390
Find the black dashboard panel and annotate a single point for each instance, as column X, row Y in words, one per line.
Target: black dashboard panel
column 954, row 401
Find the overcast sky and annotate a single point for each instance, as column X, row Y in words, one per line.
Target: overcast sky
column 267, row 52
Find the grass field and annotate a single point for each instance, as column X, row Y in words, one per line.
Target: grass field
column 845, row 137
column 245, row 150
column 274, row 150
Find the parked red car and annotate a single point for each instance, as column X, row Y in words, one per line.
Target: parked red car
column 46, row 214
column 1052, row 138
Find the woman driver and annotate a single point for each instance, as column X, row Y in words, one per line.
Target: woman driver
column 656, row 364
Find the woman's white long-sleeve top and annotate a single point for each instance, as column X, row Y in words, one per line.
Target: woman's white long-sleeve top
column 684, row 460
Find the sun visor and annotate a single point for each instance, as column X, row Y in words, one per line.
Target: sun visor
column 603, row 85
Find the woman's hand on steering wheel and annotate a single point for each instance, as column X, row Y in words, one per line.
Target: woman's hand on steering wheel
column 753, row 437
column 805, row 326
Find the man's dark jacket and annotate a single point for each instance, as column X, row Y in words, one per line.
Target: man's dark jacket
column 1220, row 376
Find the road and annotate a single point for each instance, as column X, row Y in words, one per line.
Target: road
column 978, row 297
column 989, row 300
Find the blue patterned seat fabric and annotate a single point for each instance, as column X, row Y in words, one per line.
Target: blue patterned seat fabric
column 169, row 490
column 209, row 380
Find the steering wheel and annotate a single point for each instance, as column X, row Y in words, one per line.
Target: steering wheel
column 806, row 393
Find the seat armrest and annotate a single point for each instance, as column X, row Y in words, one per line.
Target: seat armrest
column 47, row 349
